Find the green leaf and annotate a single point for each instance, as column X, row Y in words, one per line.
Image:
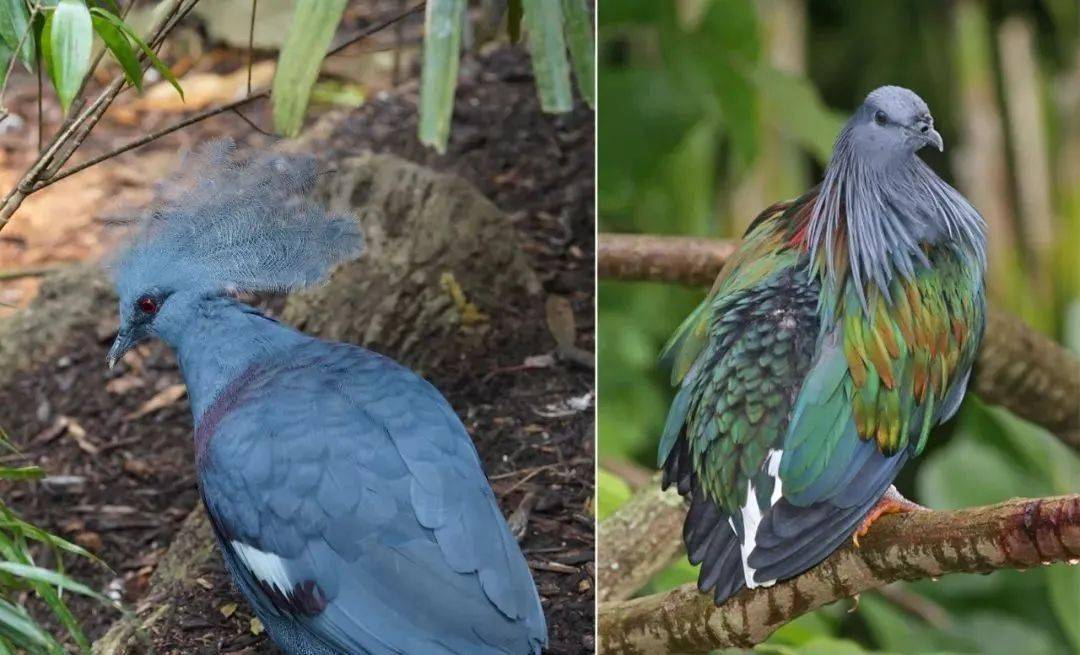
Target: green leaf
column 1064, row 589
column 314, row 22
column 611, row 492
column 121, row 49
column 514, row 13
column 48, row 576
column 5, row 59
column 71, row 34
column 813, row 125
column 14, row 23
column 544, row 22
column 21, row 473
column 18, row 626
column 579, row 34
column 148, row 52
column 438, row 78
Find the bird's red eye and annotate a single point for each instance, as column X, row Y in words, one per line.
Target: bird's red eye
column 148, row 305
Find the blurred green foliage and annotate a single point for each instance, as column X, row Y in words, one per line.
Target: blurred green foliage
column 709, row 111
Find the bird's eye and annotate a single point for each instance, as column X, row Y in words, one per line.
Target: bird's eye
column 148, row 305
column 880, row 118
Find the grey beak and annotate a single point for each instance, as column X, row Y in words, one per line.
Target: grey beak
column 122, row 344
column 934, row 138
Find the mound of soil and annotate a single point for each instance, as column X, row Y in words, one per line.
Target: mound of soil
column 117, row 445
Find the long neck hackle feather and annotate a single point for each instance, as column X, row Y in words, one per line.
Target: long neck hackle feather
column 874, row 218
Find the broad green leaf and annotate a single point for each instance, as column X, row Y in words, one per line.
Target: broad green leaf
column 71, row 35
column 147, row 51
column 5, row 59
column 121, row 49
column 544, row 23
column 14, row 23
column 314, row 22
column 579, row 35
column 438, row 78
column 611, row 493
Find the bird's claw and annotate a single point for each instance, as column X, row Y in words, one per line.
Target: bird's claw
column 891, row 503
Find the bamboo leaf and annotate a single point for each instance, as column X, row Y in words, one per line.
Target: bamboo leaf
column 14, row 22
column 71, row 35
column 5, row 59
column 579, row 35
column 48, row 576
column 544, row 22
column 438, row 79
column 313, row 25
column 121, row 49
column 513, row 20
column 133, row 37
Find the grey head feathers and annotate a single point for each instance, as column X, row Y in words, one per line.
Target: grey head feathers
column 879, row 202
column 223, row 223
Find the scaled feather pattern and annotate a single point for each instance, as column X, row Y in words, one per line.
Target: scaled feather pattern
column 841, row 331
column 349, row 503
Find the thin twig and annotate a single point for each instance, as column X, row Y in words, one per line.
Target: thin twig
column 29, row 271
column 251, row 123
column 153, row 136
column 251, row 97
column 40, row 109
column 251, row 45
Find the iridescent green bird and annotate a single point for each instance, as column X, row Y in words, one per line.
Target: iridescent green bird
column 836, row 337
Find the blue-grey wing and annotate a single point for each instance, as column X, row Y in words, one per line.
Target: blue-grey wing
column 352, row 499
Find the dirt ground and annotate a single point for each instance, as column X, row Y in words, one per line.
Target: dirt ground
column 121, row 471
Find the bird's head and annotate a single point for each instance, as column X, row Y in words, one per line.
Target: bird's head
column 150, row 311
column 222, row 226
column 893, row 123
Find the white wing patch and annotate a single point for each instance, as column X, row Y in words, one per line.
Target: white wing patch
column 267, row 567
column 752, row 513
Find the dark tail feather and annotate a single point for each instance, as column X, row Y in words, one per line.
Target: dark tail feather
column 792, row 539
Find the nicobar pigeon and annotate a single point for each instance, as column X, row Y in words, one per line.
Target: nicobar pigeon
column 347, row 498
column 841, row 331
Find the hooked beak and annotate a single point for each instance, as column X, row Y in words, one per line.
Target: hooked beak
column 932, row 137
column 122, row 344
column 924, row 129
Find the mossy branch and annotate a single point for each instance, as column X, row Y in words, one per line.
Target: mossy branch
column 1016, row 534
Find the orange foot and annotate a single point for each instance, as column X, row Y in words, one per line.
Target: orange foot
column 891, row 503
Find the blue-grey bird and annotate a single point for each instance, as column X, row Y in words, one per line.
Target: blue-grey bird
column 347, row 498
column 841, row 331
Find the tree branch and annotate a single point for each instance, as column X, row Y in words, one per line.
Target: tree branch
column 45, row 170
column 1018, row 368
column 1014, row 534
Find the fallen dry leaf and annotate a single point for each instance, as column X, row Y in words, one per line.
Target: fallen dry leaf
column 228, row 609
column 257, row 627
column 124, row 384
column 91, row 541
column 78, row 433
column 138, row 467
column 167, row 397
column 204, row 583
column 560, row 321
